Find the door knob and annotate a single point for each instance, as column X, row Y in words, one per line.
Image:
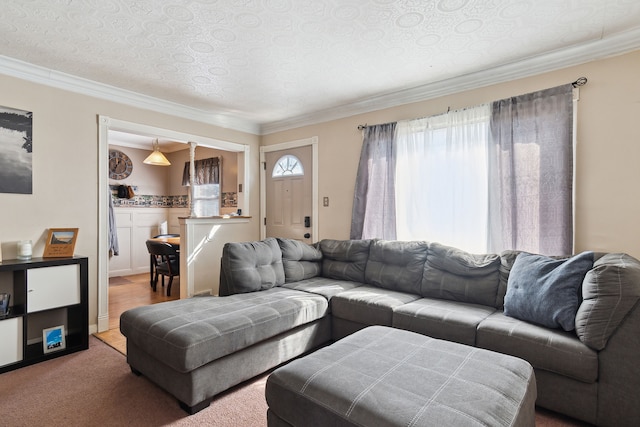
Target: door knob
column 307, row 235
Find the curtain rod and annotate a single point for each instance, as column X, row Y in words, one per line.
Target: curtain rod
column 581, row 81
column 364, row 126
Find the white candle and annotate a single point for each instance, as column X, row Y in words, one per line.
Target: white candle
column 24, row 249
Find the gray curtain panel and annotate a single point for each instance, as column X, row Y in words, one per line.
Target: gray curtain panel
column 374, row 208
column 207, row 171
column 531, row 172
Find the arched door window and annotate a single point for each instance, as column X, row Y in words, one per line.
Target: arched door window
column 287, row 165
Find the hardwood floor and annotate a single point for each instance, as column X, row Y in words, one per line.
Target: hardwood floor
column 127, row 292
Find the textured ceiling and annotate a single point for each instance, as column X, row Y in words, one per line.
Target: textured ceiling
column 270, row 61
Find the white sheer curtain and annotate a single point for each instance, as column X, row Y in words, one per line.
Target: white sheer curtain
column 442, row 179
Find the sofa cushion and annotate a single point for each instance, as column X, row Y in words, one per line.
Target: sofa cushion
column 455, row 275
column 552, row 350
column 300, row 261
column 396, row 265
column 192, row 332
column 344, row 259
column 322, row 286
column 369, row 305
column 450, row 320
column 250, row 266
column 609, row 291
column 546, row 291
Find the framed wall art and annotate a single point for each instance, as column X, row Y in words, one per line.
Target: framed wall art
column 16, row 145
column 60, row 242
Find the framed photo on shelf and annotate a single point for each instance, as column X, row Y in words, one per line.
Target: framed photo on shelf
column 53, row 339
column 60, row 242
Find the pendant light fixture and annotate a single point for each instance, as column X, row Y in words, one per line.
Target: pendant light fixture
column 156, row 157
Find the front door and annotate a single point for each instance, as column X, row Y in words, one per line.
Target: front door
column 288, row 178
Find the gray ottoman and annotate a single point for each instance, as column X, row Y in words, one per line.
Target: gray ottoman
column 381, row 376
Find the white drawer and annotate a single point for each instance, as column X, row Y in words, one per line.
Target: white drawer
column 53, row 287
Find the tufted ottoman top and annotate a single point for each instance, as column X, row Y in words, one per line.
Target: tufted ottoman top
column 382, row 376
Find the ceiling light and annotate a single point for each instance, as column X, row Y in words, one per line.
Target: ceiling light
column 156, row 157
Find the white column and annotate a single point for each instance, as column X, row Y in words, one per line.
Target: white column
column 192, row 174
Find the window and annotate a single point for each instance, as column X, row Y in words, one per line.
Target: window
column 206, row 200
column 206, row 187
column 287, row 165
column 485, row 179
column 442, row 179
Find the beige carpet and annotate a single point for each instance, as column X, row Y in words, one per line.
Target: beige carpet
column 96, row 388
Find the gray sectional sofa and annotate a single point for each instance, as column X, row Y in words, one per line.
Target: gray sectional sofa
column 281, row 298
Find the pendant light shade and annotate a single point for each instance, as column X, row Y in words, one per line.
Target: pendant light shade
column 156, row 157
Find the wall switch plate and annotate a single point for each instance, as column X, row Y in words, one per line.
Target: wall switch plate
column 325, row 201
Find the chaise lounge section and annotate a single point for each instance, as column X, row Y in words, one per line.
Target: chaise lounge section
column 281, row 298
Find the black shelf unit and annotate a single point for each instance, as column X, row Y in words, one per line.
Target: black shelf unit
column 14, row 277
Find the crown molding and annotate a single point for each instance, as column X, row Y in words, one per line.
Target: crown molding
column 616, row 44
column 45, row 76
column 612, row 45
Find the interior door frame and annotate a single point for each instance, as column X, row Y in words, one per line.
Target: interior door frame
column 313, row 142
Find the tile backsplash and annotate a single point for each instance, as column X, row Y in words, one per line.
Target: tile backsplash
column 229, row 200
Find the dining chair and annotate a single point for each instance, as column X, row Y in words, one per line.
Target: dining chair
column 151, row 265
column 165, row 260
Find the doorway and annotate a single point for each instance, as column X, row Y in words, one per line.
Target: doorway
column 288, row 193
column 136, row 216
column 106, row 124
column 289, row 190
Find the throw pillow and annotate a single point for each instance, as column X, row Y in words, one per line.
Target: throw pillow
column 546, row 291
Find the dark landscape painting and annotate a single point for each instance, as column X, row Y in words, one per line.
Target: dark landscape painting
column 15, row 151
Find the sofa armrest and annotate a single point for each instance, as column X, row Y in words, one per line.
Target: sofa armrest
column 619, row 375
column 609, row 291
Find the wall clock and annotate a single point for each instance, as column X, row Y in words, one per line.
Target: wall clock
column 120, row 165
